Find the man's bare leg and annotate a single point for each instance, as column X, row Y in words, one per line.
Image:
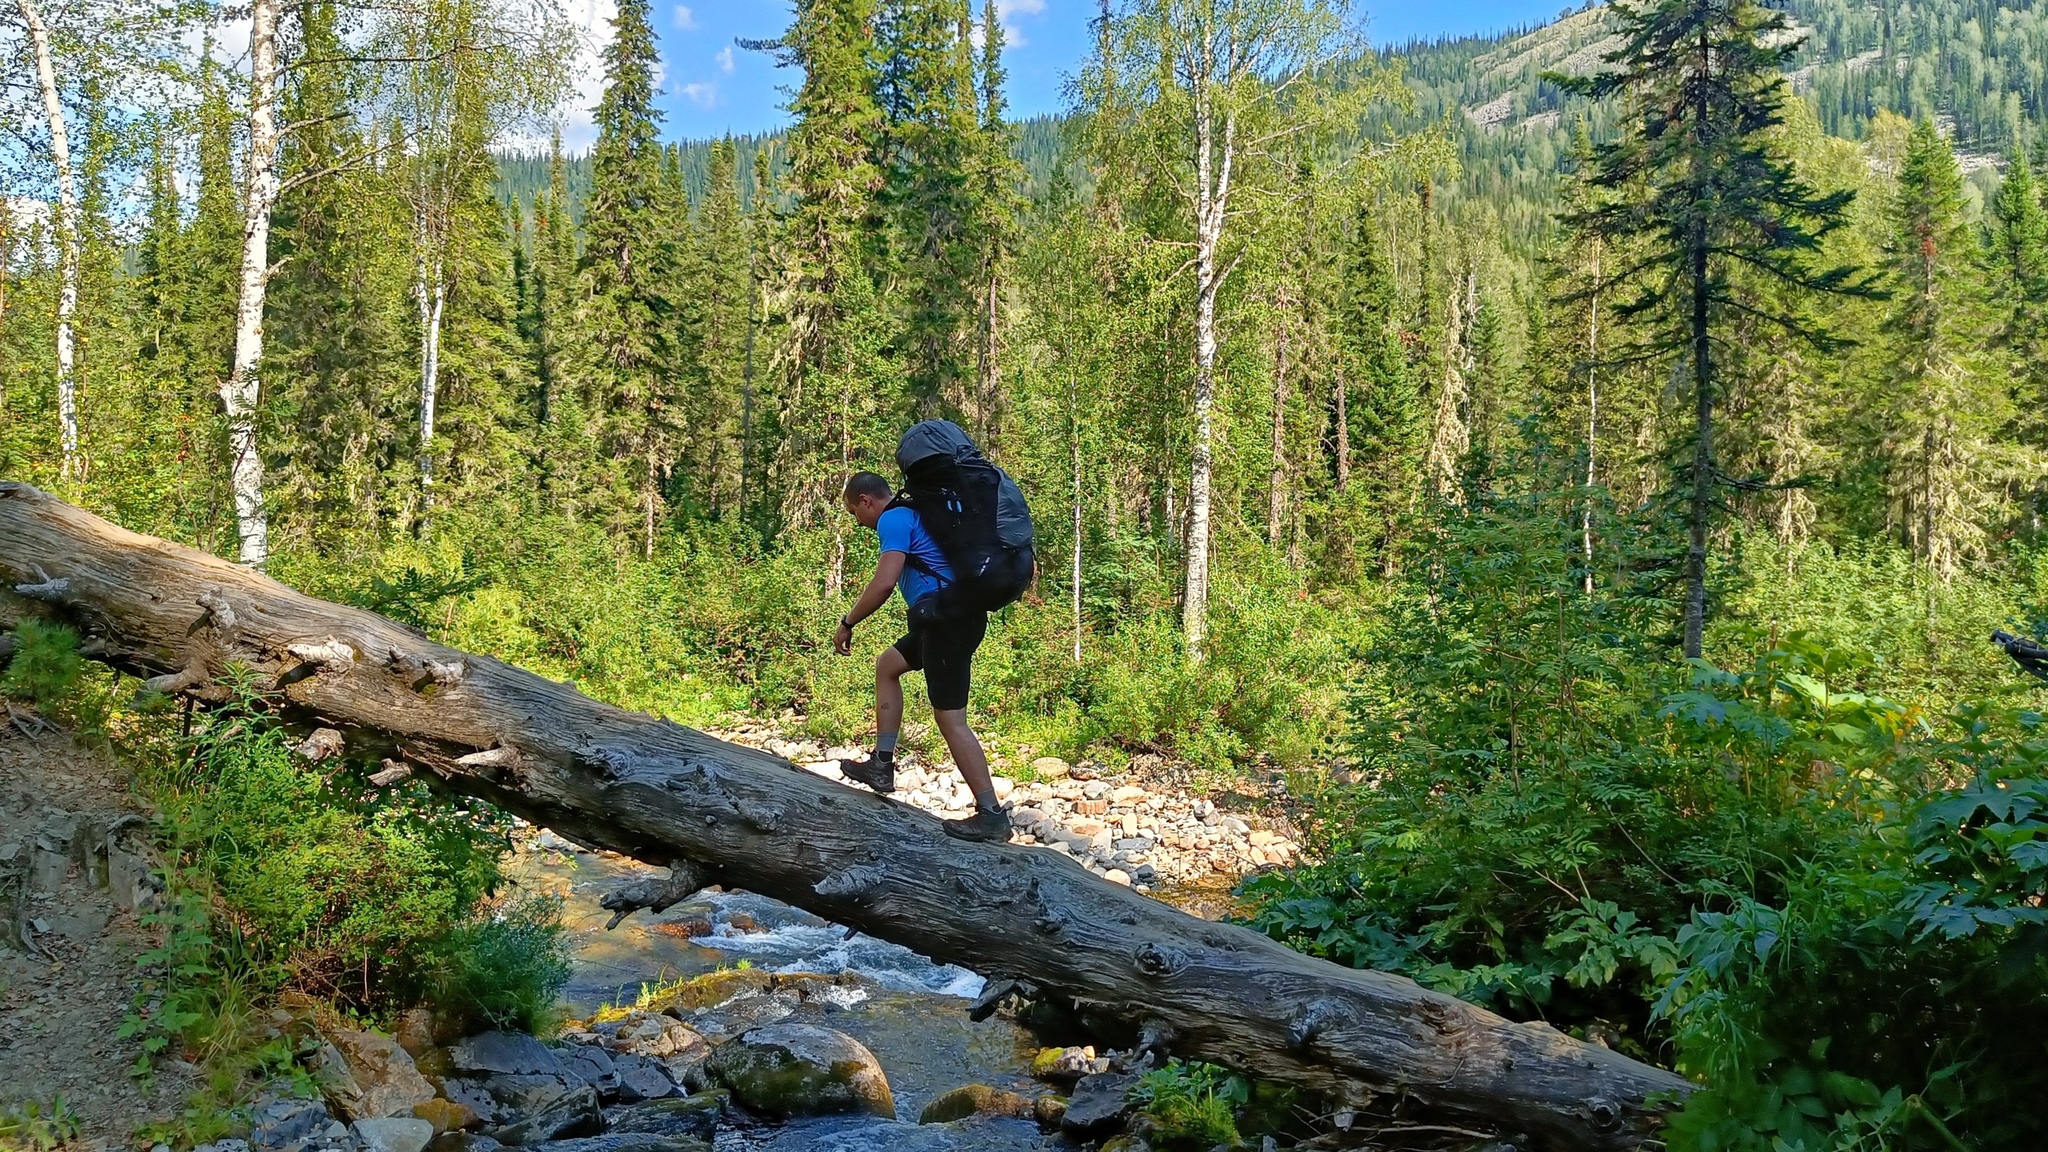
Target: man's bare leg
column 967, row 754
column 879, row 771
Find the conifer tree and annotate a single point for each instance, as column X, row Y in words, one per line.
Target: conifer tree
column 1377, row 408
column 626, row 369
column 1697, row 182
column 2019, row 263
column 993, row 231
column 1936, row 406
column 721, row 287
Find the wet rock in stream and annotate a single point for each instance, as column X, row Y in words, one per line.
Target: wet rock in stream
column 796, row 1070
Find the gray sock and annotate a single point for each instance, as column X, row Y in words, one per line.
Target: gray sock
column 885, row 746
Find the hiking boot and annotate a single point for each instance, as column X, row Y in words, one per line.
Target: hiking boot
column 875, row 773
column 990, row 826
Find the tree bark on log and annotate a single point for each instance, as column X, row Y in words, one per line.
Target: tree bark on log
column 669, row 795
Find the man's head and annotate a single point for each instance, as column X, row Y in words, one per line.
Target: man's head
column 867, row 496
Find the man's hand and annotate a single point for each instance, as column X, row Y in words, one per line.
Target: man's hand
column 842, row 640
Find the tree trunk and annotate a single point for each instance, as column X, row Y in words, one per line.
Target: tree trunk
column 672, row 796
column 1702, row 458
column 1212, row 180
column 67, row 238
column 1276, row 495
column 242, row 389
column 1343, row 430
column 1074, row 442
column 1592, row 411
column 430, row 293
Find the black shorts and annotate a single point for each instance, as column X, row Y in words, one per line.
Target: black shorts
column 941, row 645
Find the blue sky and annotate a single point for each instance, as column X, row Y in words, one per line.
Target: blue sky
column 710, row 85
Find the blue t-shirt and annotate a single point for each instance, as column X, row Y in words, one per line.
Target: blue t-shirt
column 901, row 531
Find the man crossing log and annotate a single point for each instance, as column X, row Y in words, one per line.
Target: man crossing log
column 716, row 812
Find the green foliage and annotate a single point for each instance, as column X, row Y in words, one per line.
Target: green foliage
column 46, row 667
column 1799, row 892
column 1192, row 1105
column 504, row 968
column 33, row 1126
column 284, row 877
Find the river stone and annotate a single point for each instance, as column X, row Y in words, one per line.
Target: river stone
column 395, row 1133
column 790, row 1070
column 1051, row 768
column 523, row 1095
column 974, row 1100
column 506, row 1053
column 464, row 1142
column 445, row 1115
column 626, row 1142
column 641, row 1078
column 475, row 1095
column 1098, row 1105
column 576, row 1114
column 696, row 1116
column 281, row 1124
column 593, row 1066
column 388, row 1084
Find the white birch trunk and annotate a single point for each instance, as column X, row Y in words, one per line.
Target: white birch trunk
column 67, row 238
column 1213, row 158
column 430, row 293
column 1074, row 441
column 1343, row 431
column 242, row 389
column 1449, row 437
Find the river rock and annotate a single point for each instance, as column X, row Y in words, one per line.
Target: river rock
column 464, row 1142
column 593, row 1066
column 696, row 1116
column 574, row 1114
column 1098, row 1105
column 414, row 1031
column 475, row 1096
column 387, row 1081
column 1049, row 1111
column 521, row 1095
column 974, row 1100
column 445, row 1115
column 282, row 1124
column 626, row 1142
column 641, row 1078
column 1051, row 768
column 506, row 1053
column 789, row 1070
column 658, row 1037
column 395, row 1133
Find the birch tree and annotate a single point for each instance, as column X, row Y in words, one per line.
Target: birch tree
column 242, row 389
column 1216, row 90
column 67, row 234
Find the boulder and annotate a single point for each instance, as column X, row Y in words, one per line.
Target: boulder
column 475, row 1095
column 1098, row 1105
column 657, row 1036
column 1066, row 1065
column 574, row 1114
column 789, row 1070
column 975, row 1100
column 522, row 1095
column 642, row 1079
column 445, row 1115
column 696, row 1116
column 280, row 1124
column 388, row 1084
column 505, row 1053
column 1049, row 1111
column 395, row 1133
column 414, row 1031
column 593, row 1066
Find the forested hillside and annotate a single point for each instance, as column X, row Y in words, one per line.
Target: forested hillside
column 1581, row 467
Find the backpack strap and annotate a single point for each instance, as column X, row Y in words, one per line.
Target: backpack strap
column 902, row 500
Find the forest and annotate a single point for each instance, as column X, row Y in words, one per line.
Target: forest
column 1575, row 472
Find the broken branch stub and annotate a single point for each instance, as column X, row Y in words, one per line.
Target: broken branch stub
column 672, row 796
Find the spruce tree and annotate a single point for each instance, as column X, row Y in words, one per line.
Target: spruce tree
column 1937, row 403
column 993, row 230
column 626, row 368
column 1696, row 181
column 1377, row 408
column 722, row 291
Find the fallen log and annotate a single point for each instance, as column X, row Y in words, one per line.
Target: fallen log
column 1026, row 918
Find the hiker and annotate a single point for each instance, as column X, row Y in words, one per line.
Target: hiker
column 957, row 544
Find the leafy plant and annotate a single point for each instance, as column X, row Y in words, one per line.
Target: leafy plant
column 1192, row 1105
column 504, row 968
column 34, row 1126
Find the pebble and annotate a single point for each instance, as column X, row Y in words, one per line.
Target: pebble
column 1127, row 832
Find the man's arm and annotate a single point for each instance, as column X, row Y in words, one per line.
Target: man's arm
column 872, row 597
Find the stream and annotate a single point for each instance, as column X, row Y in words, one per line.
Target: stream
column 915, row 1022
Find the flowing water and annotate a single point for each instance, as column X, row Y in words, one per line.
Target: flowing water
column 914, row 1020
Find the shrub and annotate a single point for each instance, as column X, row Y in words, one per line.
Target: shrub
column 1192, row 1105
column 504, row 968
column 46, row 667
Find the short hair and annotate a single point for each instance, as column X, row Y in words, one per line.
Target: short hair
column 866, row 484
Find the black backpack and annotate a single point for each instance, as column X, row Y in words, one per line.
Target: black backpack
column 973, row 511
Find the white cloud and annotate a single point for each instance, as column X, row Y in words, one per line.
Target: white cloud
column 724, row 59
column 1008, row 11
column 686, row 20
column 703, row 94
column 593, row 19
